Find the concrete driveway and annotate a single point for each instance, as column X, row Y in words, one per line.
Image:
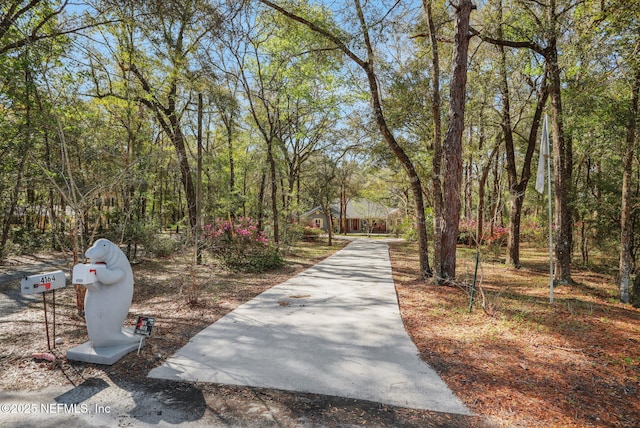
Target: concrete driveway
column 334, row 329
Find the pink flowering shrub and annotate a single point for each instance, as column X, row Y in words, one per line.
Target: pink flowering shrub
column 311, row 231
column 240, row 246
column 499, row 236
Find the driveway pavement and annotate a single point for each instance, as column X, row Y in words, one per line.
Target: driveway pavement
column 334, row 329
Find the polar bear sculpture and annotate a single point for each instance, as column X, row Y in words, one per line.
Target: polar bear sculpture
column 108, row 299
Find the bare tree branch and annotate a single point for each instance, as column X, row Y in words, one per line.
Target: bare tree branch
column 509, row 43
column 13, row 15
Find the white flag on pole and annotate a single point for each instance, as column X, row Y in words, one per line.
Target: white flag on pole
column 544, row 153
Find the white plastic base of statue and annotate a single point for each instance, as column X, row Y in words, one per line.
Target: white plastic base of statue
column 106, row 355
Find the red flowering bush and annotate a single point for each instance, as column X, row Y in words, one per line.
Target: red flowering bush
column 241, row 246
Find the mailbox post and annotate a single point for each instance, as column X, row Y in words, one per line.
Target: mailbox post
column 43, row 283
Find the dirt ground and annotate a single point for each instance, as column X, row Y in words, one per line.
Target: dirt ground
column 515, row 359
column 165, row 290
column 518, row 359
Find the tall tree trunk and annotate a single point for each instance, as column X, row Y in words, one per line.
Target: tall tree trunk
column 13, row 204
column 481, row 192
column 468, row 188
column 414, row 178
column 244, row 192
column 625, row 216
column 561, row 171
column 584, row 241
column 274, row 189
column 516, row 193
column 232, row 170
column 562, row 148
column 496, row 209
column 24, row 149
column 343, row 209
column 260, row 213
column 198, row 226
column 128, row 188
column 326, row 209
column 452, row 148
column 436, row 183
column 298, row 213
column 177, row 137
column 398, row 151
column 169, row 119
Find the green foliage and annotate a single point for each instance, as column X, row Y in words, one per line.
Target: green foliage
column 534, row 231
column 159, row 244
column 28, row 241
column 256, row 261
column 292, row 232
column 407, row 229
column 635, row 293
column 86, row 143
column 311, row 233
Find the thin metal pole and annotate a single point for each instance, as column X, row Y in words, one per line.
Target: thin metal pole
column 550, row 222
column 475, row 275
column 46, row 321
column 54, row 318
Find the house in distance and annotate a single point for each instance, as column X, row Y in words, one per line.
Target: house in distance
column 358, row 216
